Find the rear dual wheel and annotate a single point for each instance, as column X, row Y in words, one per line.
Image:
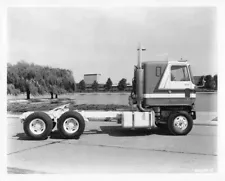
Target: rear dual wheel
column 71, row 125
column 38, row 125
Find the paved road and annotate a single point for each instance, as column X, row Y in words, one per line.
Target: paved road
column 106, row 148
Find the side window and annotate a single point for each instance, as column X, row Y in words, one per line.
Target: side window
column 179, row 73
column 158, row 71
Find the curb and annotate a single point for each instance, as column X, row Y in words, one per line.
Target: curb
column 205, row 124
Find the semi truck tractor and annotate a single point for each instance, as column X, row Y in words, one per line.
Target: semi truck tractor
column 167, row 89
column 163, row 93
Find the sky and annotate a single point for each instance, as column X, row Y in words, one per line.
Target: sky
column 105, row 40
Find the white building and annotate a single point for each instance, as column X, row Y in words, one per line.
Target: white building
column 90, row 78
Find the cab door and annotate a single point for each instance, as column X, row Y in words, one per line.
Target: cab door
column 180, row 78
column 180, row 83
column 177, row 84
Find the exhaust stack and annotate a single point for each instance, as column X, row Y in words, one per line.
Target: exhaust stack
column 140, row 79
column 140, row 49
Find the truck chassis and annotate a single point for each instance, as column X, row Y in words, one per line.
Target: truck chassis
column 71, row 123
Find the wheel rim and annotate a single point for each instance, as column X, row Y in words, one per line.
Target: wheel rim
column 37, row 126
column 180, row 123
column 71, row 125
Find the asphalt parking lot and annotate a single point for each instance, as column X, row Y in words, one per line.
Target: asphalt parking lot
column 106, row 148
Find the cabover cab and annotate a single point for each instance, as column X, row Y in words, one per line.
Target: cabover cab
column 167, row 83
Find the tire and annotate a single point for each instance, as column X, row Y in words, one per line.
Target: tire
column 38, row 125
column 180, row 123
column 76, row 127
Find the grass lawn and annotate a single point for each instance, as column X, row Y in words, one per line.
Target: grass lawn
column 20, row 106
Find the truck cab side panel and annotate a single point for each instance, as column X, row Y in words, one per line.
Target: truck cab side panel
column 167, row 84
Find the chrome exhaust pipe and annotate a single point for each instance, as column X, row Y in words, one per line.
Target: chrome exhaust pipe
column 140, row 49
column 140, row 79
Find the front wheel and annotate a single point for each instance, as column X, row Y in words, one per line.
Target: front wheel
column 71, row 125
column 180, row 123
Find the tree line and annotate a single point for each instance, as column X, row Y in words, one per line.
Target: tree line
column 82, row 86
column 35, row 79
column 211, row 82
column 206, row 83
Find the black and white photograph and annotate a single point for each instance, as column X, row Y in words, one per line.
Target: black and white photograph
column 112, row 90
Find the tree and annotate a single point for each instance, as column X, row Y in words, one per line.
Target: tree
column 67, row 81
column 30, row 88
column 82, row 85
column 41, row 89
column 216, row 82
column 108, row 84
column 25, row 74
column 122, row 84
column 210, row 83
column 200, row 81
column 12, row 90
column 12, row 75
column 52, row 85
column 95, row 86
column 34, row 79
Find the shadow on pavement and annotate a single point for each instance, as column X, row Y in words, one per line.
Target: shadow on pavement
column 22, row 136
column 116, row 131
column 11, row 170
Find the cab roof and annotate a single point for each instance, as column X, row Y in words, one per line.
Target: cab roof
column 177, row 62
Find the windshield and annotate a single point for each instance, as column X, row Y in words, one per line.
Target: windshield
column 192, row 80
column 179, row 73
